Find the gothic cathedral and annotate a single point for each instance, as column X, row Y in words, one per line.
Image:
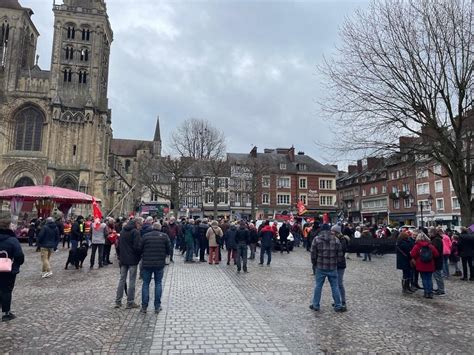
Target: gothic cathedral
column 56, row 124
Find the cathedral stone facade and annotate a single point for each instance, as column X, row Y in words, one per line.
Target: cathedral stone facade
column 56, row 124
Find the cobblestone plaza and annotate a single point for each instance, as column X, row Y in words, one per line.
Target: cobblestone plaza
column 212, row 309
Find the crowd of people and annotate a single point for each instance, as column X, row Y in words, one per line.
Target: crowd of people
column 145, row 245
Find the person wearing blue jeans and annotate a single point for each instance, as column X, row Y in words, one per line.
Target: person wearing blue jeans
column 332, row 276
column 263, row 251
column 427, row 280
column 326, row 252
column 154, row 247
column 157, row 274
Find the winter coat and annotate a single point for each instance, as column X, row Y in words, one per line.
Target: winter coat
column 128, row 247
column 344, row 240
column 284, row 231
column 76, row 232
column 326, row 251
column 212, row 235
column 466, row 245
column 266, row 235
column 99, row 234
column 229, row 238
column 201, row 232
column 438, row 244
column 146, row 228
column 173, row 231
column 242, row 236
column 446, row 245
column 48, row 236
column 188, row 231
column 154, row 247
column 404, row 247
column 10, row 244
column 253, row 236
column 420, row 265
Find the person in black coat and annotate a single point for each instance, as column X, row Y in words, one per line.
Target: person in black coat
column 230, row 243
column 437, row 241
column 128, row 252
column 48, row 240
column 284, row 232
column 203, row 242
column 466, row 252
column 404, row 246
column 77, row 232
column 242, row 239
column 9, row 245
column 155, row 246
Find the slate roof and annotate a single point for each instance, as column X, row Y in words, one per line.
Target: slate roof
column 275, row 159
column 128, row 147
column 11, row 4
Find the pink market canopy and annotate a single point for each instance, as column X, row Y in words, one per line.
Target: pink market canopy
column 56, row 194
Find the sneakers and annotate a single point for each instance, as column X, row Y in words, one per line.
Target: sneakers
column 440, row 294
column 158, row 310
column 143, row 310
column 313, row 308
column 132, row 306
column 8, row 316
column 46, row 274
column 118, row 305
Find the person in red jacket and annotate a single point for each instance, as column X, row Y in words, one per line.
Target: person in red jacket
column 424, row 254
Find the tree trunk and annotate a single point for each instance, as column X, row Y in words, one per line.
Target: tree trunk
column 467, row 214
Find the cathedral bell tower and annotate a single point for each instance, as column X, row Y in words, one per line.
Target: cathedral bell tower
column 78, row 91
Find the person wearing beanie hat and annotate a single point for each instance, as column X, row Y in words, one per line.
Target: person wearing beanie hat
column 325, row 254
column 336, row 228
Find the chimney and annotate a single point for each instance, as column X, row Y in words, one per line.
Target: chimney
column 373, row 162
column 253, row 152
column 291, row 154
column 300, row 153
column 352, row 169
column 359, row 166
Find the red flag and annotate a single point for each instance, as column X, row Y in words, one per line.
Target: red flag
column 301, row 208
column 96, row 212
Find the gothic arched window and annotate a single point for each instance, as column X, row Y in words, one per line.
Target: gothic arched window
column 24, row 181
column 28, row 129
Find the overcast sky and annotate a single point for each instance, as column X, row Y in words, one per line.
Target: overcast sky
column 249, row 67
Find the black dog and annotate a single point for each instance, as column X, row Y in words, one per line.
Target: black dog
column 78, row 256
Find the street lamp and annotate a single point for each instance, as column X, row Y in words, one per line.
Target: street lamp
column 430, row 202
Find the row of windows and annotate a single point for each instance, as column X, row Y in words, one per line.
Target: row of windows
column 84, row 33
column 82, row 76
column 285, row 183
column 439, row 204
column 83, row 54
column 285, row 199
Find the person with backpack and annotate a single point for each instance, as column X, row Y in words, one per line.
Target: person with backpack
column 437, row 242
column 423, row 256
column 11, row 258
column 404, row 246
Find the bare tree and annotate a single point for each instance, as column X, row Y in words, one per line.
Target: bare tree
column 405, row 68
column 217, row 170
column 162, row 176
column 198, row 139
column 246, row 176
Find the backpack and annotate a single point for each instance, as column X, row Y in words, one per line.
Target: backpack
column 426, row 255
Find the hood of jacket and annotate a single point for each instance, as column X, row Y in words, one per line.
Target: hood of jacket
column 267, row 229
column 325, row 235
column 5, row 234
column 130, row 226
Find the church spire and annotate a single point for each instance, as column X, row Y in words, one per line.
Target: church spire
column 157, row 137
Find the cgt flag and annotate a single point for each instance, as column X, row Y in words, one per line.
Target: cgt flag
column 96, row 212
column 301, row 208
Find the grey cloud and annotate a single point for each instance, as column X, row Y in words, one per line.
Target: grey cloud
column 247, row 66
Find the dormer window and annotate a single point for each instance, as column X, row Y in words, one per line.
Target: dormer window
column 282, row 166
column 302, row 167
